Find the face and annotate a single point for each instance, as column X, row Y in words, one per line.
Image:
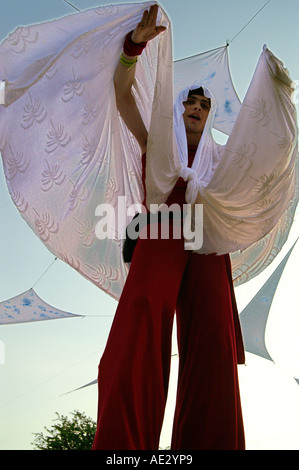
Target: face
column 197, row 109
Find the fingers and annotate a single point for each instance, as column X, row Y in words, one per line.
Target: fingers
column 144, row 18
column 147, row 29
column 149, row 18
column 152, row 15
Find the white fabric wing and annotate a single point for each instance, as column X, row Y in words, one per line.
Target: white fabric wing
column 251, row 200
column 66, row 151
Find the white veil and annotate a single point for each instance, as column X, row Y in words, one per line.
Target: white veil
column 207, row 155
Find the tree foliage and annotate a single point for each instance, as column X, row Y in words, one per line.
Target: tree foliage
column 67, row 434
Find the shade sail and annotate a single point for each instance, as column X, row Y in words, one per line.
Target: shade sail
column 29, row 307
column 255, row 315
column 211, row 69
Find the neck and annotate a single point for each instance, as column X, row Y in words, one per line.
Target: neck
column 192, row 148
column 193, row 139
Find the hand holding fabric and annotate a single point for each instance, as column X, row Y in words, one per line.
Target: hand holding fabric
column 147, row 29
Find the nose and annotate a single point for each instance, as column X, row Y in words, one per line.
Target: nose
column 197, row 106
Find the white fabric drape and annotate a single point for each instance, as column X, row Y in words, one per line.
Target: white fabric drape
column 2, row 92
column 252, row 197
column 65, row 149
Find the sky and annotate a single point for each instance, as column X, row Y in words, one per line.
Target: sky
column 42, row 362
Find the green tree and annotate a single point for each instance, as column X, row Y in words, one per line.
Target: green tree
column 67, row 434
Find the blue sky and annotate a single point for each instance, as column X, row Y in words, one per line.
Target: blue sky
column 44, row 361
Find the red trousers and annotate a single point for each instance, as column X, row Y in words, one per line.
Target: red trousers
column 134, row 369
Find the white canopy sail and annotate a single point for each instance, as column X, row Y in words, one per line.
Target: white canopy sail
column 29, row 307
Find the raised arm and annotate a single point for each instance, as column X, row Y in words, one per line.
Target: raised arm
column 125, row 74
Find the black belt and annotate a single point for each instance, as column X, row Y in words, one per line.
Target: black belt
column 143, row 220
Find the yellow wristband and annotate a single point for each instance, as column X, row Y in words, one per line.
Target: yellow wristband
column 127, row 62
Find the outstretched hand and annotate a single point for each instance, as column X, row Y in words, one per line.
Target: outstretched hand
column 147, row 29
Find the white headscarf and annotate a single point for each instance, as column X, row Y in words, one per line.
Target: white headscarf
column 206, row 157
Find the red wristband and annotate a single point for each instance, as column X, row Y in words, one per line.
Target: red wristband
column 131, row 48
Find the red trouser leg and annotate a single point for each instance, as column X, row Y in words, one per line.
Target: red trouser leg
column 134, row 369
column 208, row 410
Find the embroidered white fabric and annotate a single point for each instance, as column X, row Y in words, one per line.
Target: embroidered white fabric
column 66, row 150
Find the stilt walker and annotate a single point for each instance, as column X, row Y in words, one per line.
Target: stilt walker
column 164, row 277
column 88, row 118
